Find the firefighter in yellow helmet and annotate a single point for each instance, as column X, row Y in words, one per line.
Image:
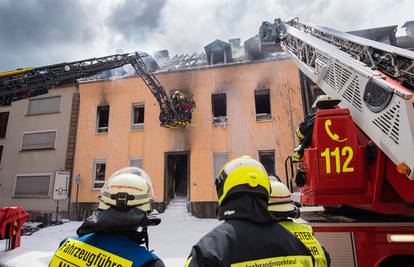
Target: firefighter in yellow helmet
column 116, row 233
column 282, row 209
column 248, row 236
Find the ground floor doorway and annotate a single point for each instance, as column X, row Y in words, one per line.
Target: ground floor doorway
column 177, row 175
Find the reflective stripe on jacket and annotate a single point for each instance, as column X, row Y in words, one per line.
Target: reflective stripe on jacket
column 101, row 249
column 305, row 234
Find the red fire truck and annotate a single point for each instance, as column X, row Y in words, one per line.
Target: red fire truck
column 359, row 191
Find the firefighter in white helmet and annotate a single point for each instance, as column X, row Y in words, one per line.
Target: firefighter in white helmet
column 116, row 234
column 282, row 209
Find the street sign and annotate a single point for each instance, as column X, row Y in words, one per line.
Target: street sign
column 61, row 187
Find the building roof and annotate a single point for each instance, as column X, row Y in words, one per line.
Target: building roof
column 378, row 34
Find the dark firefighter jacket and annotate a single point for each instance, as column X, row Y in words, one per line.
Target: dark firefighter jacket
column 244, row 241
column 109, row 238
column 304, row 132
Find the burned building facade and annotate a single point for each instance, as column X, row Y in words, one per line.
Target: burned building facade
column 245, row 108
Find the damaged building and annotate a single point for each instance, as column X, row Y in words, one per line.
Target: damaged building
column 244, row 107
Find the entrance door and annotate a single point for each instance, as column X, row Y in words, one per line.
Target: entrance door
column 177, row 172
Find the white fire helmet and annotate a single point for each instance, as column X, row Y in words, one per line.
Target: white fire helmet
column 279, row 199
column 325, row 102
column 128, row 187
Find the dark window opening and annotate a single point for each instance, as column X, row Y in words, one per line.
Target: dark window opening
column 4, row 119
column 1, row 153
column 138, row 116
column 267, row 158
column 219, row 107
column 262, row 103
column 102, row 119
column 99, row 179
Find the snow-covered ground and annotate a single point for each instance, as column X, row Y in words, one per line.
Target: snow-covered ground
column 172, row 239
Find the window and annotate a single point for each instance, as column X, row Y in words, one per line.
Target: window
column 220, row 158
column 267, row 158
column 99, row 168
column 135, row 162
column 4, row 119
column 137, row 121
column 219, row 107
column 44, row 105
column 36, row 185
column 39, row 140
column 102, row 119
column 262, row 103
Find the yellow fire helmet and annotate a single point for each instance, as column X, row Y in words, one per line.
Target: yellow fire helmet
column 127, row 187
column 279, row 200
column 243, row 174
column 325, row 102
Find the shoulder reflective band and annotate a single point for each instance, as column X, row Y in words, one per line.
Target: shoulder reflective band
column 187, row 263
column 299, row 134
column 76, row 253
column 284, row 261
column 305, row 234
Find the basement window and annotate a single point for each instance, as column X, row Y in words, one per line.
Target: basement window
column 262, row 104
column 102, row 119
column 267, row 158
column 99, row 168
column 137, row 118
column 219, row 108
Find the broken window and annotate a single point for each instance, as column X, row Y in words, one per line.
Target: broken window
column 267, row 158
column 44, row 105
column 262, row 103
column 4, row 119
column 220, row 158
column 39, row 140
column 99, row 168
column 135, row 162
column 102, row 119
column 219, row 107
column 137, row 121
column 32, row 185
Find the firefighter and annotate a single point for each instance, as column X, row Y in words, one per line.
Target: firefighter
column 304, row 132
column 282, row 209
column 110, row 237
column 177, row 99
column 248, row 236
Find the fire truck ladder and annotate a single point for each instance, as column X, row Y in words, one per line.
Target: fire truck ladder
column 352, row 69
column 23, row 83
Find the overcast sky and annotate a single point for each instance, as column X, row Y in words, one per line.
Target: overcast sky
column 40, row 32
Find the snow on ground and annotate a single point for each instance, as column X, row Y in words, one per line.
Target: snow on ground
column 171, row 240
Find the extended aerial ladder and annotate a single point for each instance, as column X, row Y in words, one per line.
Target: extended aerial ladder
column 362, row 153
column 29, row 82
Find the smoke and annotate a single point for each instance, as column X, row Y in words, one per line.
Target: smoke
column 38, row 32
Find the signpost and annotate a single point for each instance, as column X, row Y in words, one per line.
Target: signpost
column 60, row 188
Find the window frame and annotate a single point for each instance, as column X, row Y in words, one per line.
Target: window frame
column 33, row 174
column 135, row 158
column 137, row 126
column 216, row 119
column 94, row 182
column 268, row 152
column 6, row 124
column 263, row 116
column 214, row 169
column 42, row 98
column 97, row 128
column 42, row 131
